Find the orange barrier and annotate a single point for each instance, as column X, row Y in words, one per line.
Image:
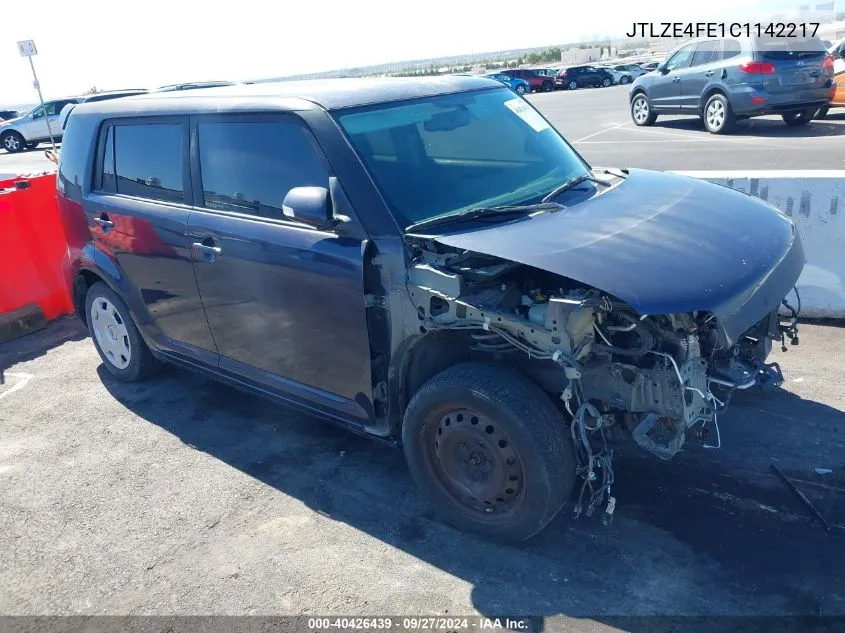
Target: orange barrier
column 33, row 248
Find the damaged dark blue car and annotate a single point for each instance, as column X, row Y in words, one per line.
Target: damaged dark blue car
column 430, row 263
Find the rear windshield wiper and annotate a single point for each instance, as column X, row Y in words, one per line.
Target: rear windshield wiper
column 484, row 212
column 572, row 182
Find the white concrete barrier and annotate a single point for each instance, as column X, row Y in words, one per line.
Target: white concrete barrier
column 815, row 200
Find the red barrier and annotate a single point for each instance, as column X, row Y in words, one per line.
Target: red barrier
column 33, row 249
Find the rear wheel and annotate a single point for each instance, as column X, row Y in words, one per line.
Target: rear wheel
column 547, row 86
column 625, row 80
column 520, row 89
column 822, row 112
column 12, row 141
column 606, row 82
column 572, row 85
column 718, row 116
column 641, row 111
column 490, row 449
column 802, row 117
column 123, row 351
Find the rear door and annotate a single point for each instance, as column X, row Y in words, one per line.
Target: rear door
column 285, row 302
column 138, row 213
column 703, row 71
column 839, row 74
column 797, row 64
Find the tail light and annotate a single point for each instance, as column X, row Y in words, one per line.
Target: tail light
column 758, row 68
column 827, row 64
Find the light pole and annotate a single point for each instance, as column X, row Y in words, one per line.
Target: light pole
column 27, row 49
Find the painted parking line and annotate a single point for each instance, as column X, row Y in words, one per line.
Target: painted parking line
column 18, row 381
column 610, row 127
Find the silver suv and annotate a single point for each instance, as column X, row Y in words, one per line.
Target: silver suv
column 29, row 130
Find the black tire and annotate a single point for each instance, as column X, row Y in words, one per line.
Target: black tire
column 504, row 436
column 141, row 363
column 624, row 80
column 802, row 117
column 717, row 115
column 641, row 112
column 607, row 82
column 520, row 90
column 572, row 85
column 31, row 145
column 547, row 86
column 12, row 141
column 822, row 112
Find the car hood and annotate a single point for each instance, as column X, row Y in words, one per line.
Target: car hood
column 663, row 243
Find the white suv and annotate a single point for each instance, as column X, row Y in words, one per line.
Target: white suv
column 29, row 130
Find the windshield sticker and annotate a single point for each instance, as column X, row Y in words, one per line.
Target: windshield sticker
column 527, row 114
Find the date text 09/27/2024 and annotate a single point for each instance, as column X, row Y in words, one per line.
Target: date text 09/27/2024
column 723, row 29
column 437, row 623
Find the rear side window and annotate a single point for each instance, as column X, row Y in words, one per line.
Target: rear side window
column 249, row 167
column 705, row 53
column 786, row 48
column 144, row 160
column 731, row 48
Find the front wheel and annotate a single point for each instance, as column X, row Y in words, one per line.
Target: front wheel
column 520, row 90
column 625, row 80
column 547, row 86
column 803, row 117
column 118, row 342
column 572, row 85
column 822, row 112
column 490, row 450
column 641, row 112
column 12, row 141
column 606, row 82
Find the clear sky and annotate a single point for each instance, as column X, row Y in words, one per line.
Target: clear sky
column 146, row 43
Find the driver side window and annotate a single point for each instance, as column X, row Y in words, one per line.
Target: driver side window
column 681, row 58
column 39, row 112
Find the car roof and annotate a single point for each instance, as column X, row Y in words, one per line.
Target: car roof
column 329, row 94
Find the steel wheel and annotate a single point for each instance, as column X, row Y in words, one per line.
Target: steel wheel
column 110, row 331
column 715, row 115
column 476, row 463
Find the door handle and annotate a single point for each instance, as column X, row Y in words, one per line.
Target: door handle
column 709, row 73
column 104, row 221
column 209, row 250
column 676, row 80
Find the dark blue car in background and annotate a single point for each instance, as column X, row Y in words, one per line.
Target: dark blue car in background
column 728, row 79
column 429, row 263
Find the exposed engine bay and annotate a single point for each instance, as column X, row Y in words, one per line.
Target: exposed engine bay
column 661, row 379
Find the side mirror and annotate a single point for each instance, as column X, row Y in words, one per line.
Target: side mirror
column 309, row 205
column 662, row 68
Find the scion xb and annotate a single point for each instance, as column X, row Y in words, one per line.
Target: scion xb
column 429, row 263
column 729, row 79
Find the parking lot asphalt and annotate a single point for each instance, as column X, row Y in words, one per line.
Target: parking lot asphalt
column 26, row 162
column 597, row 122
column 182, row 496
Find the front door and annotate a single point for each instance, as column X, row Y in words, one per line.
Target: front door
column 665, row 94
column 138, row 213
column 702, row 71
column 285, row 302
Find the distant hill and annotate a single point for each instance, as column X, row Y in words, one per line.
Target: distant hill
column 393, row 67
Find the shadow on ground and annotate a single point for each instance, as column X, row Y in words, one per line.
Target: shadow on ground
column 711, row 532
column 39, row 343
column 829, row 126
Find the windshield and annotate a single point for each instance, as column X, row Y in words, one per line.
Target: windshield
column 446, row 154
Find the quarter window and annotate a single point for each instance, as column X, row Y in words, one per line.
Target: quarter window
column 249, row 167
column 731, row 48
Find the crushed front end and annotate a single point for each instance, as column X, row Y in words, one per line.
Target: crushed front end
column 661, row 379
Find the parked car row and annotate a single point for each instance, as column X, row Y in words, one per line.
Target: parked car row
column 724, row 80
column 26, row 131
